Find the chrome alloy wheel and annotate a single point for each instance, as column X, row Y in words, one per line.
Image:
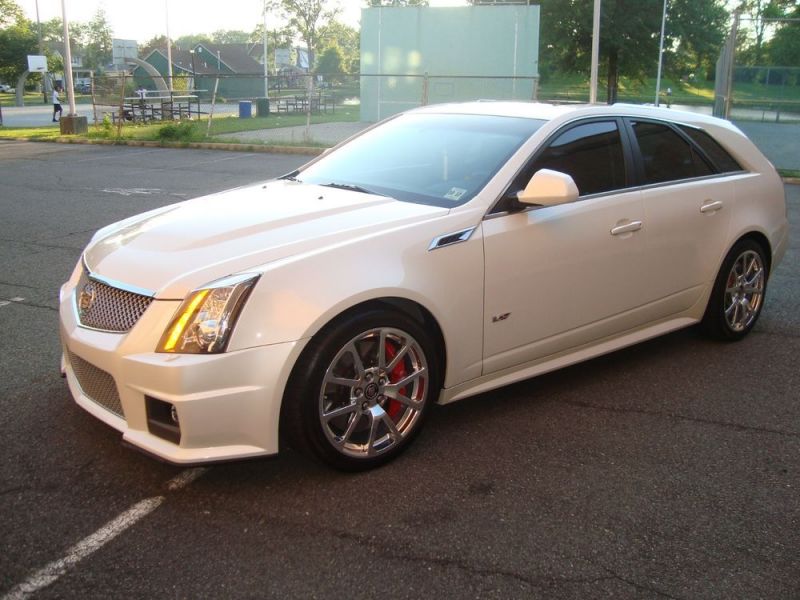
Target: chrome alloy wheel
column 744, row 291
column 373, row 392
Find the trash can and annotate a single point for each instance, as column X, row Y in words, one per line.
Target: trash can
column 262, row 107
column 245, row 109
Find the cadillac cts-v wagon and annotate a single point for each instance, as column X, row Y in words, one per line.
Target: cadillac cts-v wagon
column 445, row 252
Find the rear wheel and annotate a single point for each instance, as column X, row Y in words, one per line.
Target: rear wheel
column 361, row 390
column 738, row 295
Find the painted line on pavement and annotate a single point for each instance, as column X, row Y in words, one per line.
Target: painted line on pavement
column 91, row 544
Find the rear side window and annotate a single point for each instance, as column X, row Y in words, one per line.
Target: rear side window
column 724, row 162
column 666, row 155
column 591, row 153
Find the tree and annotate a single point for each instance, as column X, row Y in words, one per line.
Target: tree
column 17, row 40
column 784, row 48
column 159, row 42
column 346, row 39
column 629, row 35
column 306, row 17
column 230, row 36
column 330, row 61
column 757, row 13
column 187, row 42
column 10, row 13
column 98, row 45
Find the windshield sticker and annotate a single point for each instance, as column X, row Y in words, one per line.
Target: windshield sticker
column 455, row 193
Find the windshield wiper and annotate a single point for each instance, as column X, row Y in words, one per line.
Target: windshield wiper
column 351, row 187
column 291, row 176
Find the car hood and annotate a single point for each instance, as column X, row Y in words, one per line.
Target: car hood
column 174, row 250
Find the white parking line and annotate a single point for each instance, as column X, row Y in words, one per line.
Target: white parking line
column 51, row 572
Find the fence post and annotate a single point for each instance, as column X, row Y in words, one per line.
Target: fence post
column 121, row 107
column 213, row 102
column 94, row 103
column 425, row 89
column 535, row 91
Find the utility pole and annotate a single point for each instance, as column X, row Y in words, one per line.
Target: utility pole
column 661, row 53
column 266, row 67
column 169, row 48
column 595, row 53
column 68, row 62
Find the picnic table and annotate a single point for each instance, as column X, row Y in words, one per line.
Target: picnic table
column 161, row 107
column 300, row 103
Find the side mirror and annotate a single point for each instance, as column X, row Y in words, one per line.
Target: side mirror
column 548, row 188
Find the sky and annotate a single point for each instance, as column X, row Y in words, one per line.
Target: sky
column 142, row 20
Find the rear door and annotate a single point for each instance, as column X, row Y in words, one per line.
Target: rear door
column 687, row 206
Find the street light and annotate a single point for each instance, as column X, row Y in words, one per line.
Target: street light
column 194, row 72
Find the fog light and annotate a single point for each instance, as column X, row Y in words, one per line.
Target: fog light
column 162, row 419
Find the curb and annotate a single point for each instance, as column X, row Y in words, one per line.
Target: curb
column 307, row 150
column 791, row 180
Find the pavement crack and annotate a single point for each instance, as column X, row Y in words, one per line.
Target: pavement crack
column 638, row 586
column 678, row 417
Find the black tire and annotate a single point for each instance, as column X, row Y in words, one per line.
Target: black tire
column 739, row 291
column 347, row 411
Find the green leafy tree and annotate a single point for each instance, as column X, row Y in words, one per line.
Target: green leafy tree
column 10, row 13
column 17, row 40
column 98, row 45
column 306, row 17
column 629, row 34
column 158, row 42
column 757, row 26
column 330, row 62
column 187, row 42
column 346, row 39
column 784, row 48
column 230, row 36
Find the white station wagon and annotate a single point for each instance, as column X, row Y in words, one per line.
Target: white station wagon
column 445, row 252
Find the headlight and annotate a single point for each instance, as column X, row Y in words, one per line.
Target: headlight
column 205, row 320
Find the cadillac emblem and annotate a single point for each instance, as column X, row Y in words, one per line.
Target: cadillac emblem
column 86, row 298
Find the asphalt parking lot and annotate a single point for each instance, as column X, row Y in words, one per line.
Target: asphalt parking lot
column 668, row 470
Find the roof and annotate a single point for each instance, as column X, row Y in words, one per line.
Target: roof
column 548, row 112
column 234, row 56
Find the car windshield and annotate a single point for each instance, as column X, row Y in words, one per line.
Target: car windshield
column 437, row 159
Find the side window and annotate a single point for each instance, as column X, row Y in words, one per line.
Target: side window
column 720, row 157
column 666, row 155
column 591, row 153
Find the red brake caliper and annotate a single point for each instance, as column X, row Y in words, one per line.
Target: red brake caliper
column 393, row 407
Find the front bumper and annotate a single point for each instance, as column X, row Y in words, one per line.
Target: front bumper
column 227, row 405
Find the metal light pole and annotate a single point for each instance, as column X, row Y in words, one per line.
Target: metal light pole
column 661, row 53
column 41, row 51
column 169, row 48
column 68, row 63
column 595, row 52
column 266, row 68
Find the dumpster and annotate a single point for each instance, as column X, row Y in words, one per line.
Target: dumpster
column 262, row 107
column 245, row 109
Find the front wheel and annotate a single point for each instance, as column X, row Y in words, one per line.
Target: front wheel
column 361, row 390
column 738, row 295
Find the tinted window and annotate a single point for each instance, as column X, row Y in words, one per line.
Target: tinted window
column 666, row 155
column 724, row 162
column 591, row 153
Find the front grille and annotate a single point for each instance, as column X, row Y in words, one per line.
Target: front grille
column 107, row 308
column 96, row 384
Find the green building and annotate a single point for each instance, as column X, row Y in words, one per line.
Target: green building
column 420, row 55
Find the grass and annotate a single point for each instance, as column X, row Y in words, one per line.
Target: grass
column 188, row 131
column 791, row 173
column 576, row 88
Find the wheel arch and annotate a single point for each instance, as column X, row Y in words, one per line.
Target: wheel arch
column 406, row 306
column 760, row 239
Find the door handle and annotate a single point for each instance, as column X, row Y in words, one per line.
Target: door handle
column 627, row 228
column 711, row 206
